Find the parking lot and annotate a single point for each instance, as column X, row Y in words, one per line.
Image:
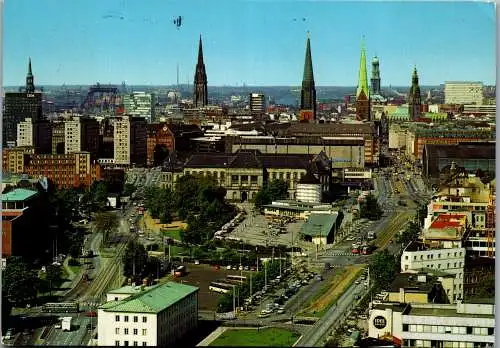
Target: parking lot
column 255, row 229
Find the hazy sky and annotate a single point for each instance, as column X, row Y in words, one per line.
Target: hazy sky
column 254, row 42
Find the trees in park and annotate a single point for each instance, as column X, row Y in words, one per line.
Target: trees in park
column 106, row 222
column 274, row 190
column 135, row 260
column 370, row 209
column 383, row 268
column 19, row 283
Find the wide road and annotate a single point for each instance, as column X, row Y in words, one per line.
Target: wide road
column 314, row 336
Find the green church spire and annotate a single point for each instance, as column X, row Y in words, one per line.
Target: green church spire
column 308, row 67
column 363, row 77
column 30, row 87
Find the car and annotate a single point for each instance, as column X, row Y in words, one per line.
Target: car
column 240, row 268
column 196, row 262
column 357, row 282
column 228, row 267
column 57, row 326
column 247, row 268
column 91, row 314
column 9, row 334
column 281, row 311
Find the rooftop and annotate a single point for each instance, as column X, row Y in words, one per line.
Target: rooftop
column 443, row 311
column 444, row 221
column 18, row 195
column 153, row 300
column 410, row 283
column 319, row 225
column 129, row 289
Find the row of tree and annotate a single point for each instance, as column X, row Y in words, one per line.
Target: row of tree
column 198, row 200
column 272, row 191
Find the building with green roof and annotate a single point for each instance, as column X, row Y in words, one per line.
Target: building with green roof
column 154, row 316
column 18, row 198
column 320, row 228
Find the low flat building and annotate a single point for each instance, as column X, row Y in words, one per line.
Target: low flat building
column 158, row 316
column 320, row 229
column 416, row 288
column 434, row 325
column 295, row 209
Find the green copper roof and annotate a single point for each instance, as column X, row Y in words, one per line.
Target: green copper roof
column 18, row 195
column 154, row 300
column 363, row 77
column 308, row 67
column 319, row 225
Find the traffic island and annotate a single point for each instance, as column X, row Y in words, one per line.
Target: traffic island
column 255, row 337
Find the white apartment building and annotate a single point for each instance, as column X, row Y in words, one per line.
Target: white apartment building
column 121, row 141
column 158, row 316
column 309, row 189
column 257, row 103
column 463, row 92
column 25, row 132
column 467, row 325
column 417, row 256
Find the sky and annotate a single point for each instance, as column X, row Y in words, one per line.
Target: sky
column 257, row 43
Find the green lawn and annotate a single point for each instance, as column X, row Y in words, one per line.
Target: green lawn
column 75, row 269
column 174, row 233
column 269, row 337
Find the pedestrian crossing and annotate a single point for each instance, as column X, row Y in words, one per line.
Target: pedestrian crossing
column 339, row 253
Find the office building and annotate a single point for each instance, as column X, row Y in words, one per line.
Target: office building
column 130, row 141
column 25, row 133
column 257, row 105
column 462, row 92
column 158, row 316
column 308, row 91
column 200, row 93
column 19, row 106
column 414, row 98
column 81, row 134
column 309, row 189
column 140, row 104
column 434, row 325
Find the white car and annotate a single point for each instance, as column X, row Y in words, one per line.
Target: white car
column 228, row 267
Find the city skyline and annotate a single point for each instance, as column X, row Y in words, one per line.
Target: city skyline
column 121, row 40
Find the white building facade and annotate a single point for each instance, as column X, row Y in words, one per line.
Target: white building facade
column 121, row 141
column 310, row 193
column 463, row 92
column 434, row 325
column 25, row 132
column 158, row 316
column 72, row 136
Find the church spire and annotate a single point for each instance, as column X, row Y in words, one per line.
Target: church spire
column 414, row 98
column 363, row 77
column 308, row 92
column 200, row 93
column 30, row 87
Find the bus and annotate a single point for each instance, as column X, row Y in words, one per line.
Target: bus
column 62, row 307
column 221, row 288
column 236, row 277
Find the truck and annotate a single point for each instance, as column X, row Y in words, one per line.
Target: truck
column 66, row 324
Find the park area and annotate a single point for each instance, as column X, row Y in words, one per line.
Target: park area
column 251, row 337
column 332, row 290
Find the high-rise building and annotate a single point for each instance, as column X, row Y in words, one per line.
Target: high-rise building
column 130, row 146
column 363, row 92
column 25, row 133
column 463, row 92
column 140, row 104
column 81, row 134
column 375, row 80
column 19, row 106
column 257, row 105
column 200, row 94
column 414, row 98
column 308, row 92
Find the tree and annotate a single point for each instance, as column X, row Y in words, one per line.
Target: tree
column 134, row 260
column 409, row 234
column 99, row 195
column 106, row 222
column 274, row 190
column 383, row 268
column 370, row 209
column 53, row 274
column 19, row 283
column 74, row 250
column 128, row 189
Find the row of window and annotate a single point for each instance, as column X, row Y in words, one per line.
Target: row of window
column 135, row 318
column 126, row 343
column 456, row 330
column 126, row 331
column 431, row 256
column 444, row 344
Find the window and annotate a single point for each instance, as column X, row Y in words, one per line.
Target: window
column 405, row 327
column 234, row 178
column 144, row 319
column 491, row 331
column 117, row 318
column 253, row 178
column 135, row 331
column 144, row 332
column 125, row 343
column 117, row 331
column 117, row 343
column 135, row 343
column 116, row 298
column 144, row 344
column 126, row 319
column 244, row 178
column 126, row 331
column 406, row 257
column 136, row 318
